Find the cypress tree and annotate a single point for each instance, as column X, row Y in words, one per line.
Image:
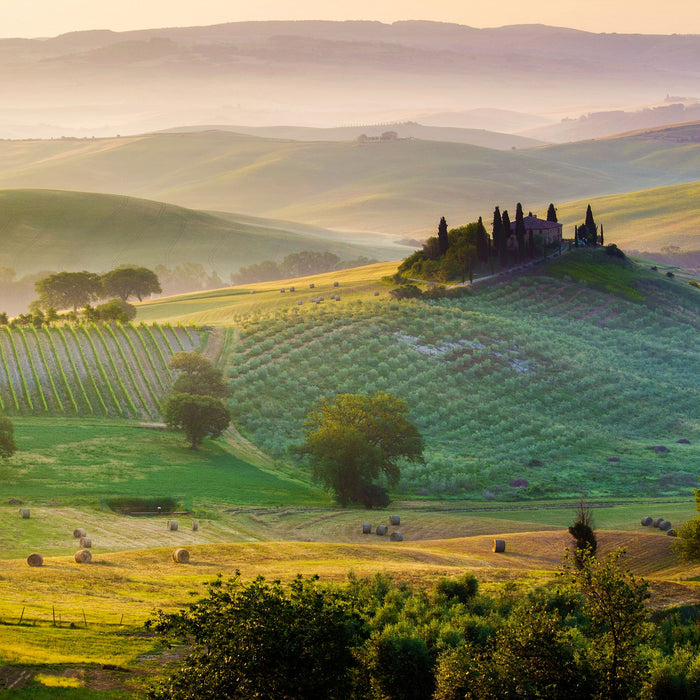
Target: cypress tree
column 442, row 236
column 520, row 230
column 576, row 236
column 591, row 225
column 482, row 242
column 506, row 236
column 497, row 234
column 601, row 235
column 552, row 214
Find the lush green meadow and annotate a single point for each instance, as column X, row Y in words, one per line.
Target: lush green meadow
column 81, row 463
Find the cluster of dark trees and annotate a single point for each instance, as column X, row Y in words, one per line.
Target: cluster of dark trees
column 460, row 252
column 588, row 635
column 196, row 405
column 587, row 233
column 295, row 265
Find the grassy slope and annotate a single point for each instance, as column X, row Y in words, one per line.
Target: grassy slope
column 55, row 230
column 646, row 220
column 222, row 307
column 393, row 186
column 81, row 462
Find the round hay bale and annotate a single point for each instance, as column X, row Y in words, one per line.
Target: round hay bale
column 366, row 528
column 172, row 525
column 665, row 525
column 394, row 520
column 35, row 559
column 336, row 284
column 195, row 525
column 312, row 285
column 300, row 302
column 24, row 513
column 657, row 521
column 79, row 532
column 382, row 530
column 647, row 521
column 83, row 556
column 337, row 297
column 292, row 289
column 671, row 533
column 282, row 290
column 181, row 556
column 86, row 542
column 396, row 537
column 376, row 294
column 499, row 545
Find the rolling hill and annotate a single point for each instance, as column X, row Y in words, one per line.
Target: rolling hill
column 646, row 220
column 57, row 230
column 400, row 187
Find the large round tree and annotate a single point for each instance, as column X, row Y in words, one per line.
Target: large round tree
column 352, row 440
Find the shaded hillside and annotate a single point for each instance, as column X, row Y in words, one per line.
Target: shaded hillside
column 401, row 186
column 63, row 230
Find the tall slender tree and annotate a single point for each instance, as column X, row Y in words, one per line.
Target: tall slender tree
column 601, row 235
column 506, row 237
column 591, row 226
column 576, row 236
column 497, row 236
column 482, row 242
column 552, row 214
column 442, row 236
column 520, row 230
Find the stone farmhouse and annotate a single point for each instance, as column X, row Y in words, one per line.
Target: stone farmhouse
column 548, row 231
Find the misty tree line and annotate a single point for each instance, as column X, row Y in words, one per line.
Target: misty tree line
column 296, row 265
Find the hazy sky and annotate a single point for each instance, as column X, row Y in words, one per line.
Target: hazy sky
column 34, row 18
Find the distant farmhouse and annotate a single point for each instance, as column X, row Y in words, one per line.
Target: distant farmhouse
column 548, row 231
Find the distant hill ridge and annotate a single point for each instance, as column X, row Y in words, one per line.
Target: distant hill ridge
column 130, row 82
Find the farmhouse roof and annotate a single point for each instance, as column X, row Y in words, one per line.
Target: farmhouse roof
column 533, row 222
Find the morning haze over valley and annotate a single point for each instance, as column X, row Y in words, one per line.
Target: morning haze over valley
column 350, row 352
